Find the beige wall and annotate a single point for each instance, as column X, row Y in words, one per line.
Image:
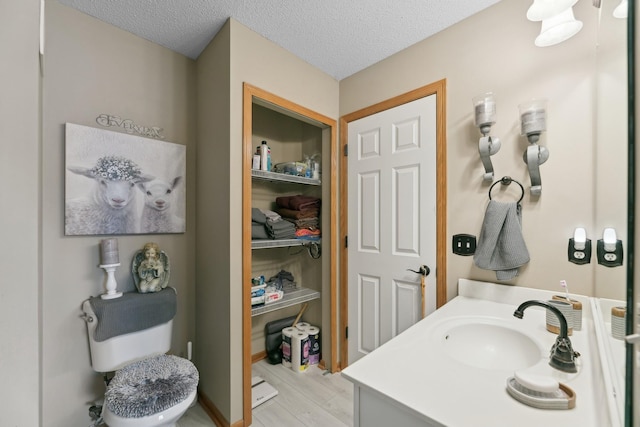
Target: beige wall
column 494, row 51
column 19, row 226
column 93, row 68
column 259, row 62
column 214, row 310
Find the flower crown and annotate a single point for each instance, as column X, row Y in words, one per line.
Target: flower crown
column 115, row 168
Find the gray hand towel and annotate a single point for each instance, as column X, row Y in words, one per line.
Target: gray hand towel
column 501, row 247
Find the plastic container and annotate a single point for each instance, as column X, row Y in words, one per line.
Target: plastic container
column 577, row 310
column 258, row 294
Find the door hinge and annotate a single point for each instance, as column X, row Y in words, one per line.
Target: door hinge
column 346, row 241
column 346, row 333
column 346, row 150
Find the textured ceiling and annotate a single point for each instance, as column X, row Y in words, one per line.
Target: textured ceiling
column 340, row 37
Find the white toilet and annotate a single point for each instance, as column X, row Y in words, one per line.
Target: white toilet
column 149, row 388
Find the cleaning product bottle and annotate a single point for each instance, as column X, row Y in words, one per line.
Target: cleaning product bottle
column 269, row 158
column 264, row 156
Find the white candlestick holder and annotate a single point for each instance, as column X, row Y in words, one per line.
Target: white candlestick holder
column 110, row 284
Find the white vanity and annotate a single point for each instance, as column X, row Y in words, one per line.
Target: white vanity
column 451, row 368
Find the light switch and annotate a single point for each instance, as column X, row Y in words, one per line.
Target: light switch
column 464, row 244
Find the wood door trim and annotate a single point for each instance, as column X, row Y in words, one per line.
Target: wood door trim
column 437, row 88
column 249, row 93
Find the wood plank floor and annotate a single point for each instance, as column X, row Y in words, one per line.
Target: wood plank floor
column 314, row 398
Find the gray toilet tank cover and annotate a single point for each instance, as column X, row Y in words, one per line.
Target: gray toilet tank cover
column 133, row 312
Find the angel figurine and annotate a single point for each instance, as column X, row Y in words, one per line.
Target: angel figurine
column 150, row 269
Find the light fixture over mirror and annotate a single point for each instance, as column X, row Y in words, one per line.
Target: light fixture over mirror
column 622, row 10
column 558, row 21
column 485, row 115
column 545, row 9
column 533, row 121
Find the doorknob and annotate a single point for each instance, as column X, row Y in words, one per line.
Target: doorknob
column 424, row 270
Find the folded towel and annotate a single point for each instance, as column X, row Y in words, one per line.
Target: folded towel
column 132, row 312
column 298, row 202
column 258, row 216
column 305, row 232
column 258, row 231
column 501, row 247
column 299, row 214
column 271, row 215
column 282, row 235
column 305, row 222
column 279, row 225
column 280, row 229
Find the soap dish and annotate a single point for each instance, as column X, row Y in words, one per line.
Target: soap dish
column 563, row 398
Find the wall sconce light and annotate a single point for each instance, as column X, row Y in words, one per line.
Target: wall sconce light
column 622, row 10
column 485, row 115
column 533, row 121
column 609, row 249
column 558, row 21
column 579, row 250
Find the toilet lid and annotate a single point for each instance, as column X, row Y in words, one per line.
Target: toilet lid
column 150, row 386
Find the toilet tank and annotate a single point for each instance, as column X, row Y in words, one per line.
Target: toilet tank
column 116, row 352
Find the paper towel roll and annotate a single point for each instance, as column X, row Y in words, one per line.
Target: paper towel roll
column 302, row 326
column 287, row 333
column 299, row 351
column 314, row 344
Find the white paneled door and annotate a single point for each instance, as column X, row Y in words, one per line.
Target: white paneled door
column 392, row 222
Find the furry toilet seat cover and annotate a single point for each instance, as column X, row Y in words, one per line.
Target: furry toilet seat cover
column 150, row 386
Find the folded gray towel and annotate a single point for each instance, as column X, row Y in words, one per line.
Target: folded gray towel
column 280, row 229
column 280, row 225
column 258, row 231
column 133, row 312
column 501, row 247
column 258, row 216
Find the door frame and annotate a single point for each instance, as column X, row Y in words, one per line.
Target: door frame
column 251, row 93
column 437, row 88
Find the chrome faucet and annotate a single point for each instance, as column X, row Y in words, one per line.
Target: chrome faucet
column 562, row 356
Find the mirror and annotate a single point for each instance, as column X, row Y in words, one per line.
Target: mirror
column 611, row 153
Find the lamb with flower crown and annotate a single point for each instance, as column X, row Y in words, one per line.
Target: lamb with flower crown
column 110, row 208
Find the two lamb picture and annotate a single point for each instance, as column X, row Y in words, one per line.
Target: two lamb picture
column 117, row 183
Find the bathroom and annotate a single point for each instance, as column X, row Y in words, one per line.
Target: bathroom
column 117, row 73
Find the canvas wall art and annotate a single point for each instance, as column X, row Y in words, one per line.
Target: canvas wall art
column 118, row 183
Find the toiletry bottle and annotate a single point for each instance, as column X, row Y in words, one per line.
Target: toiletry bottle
column 308, row 172
column 264, row 156
column 268, row 158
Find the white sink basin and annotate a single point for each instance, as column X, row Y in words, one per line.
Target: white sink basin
column 487, row 343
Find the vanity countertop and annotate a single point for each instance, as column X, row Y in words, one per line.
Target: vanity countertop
column 412, row 372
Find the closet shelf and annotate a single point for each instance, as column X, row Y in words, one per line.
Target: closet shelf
column 292, row 297
column 281, row 177
column 283, row 243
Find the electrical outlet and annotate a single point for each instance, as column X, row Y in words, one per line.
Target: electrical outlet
column 579, row 256
column 609, row 258
column 464, row 244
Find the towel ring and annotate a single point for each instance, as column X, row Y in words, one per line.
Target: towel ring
column 506, row 180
